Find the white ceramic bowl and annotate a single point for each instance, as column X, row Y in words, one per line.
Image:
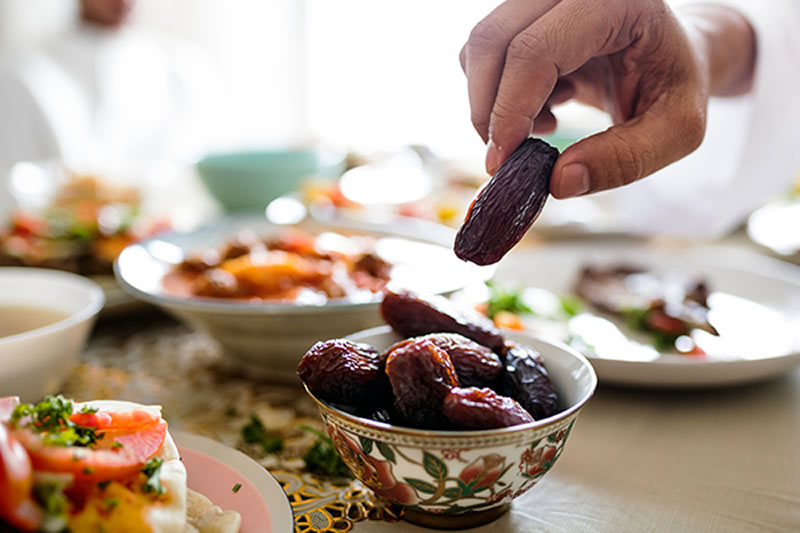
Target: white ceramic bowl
column 270, row 338
column 36, row 362
column 459, row 479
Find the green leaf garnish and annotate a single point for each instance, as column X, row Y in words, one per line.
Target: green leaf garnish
column 322, row 458
column 501, row 299
column 571, row 305
column 236, row 487
column 254, row 432
column 152, row 469
column 50, row 417
column 111, row 503
column 50, row 497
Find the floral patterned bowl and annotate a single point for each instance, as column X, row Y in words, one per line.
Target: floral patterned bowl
column 460, row 479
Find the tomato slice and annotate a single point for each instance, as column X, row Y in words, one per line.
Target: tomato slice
column 104, row 461
column 116, row 420
column 7, row 406
column 16, row 482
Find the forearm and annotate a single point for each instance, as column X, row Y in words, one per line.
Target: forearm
column 727, row 42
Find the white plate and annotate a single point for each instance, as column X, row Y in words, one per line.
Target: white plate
column 772, row 287
column 215, row 469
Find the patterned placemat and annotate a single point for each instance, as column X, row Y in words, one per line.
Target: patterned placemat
column 154, row 360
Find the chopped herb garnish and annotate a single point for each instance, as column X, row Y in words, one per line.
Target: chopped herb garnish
column 636, row 319
column 254, row 432
column 88, row 470
column 152, row 469
column 50, row 497
column 103, row 485
column 51, row 417
column 236, row 487
column 116, row 445
column 571, row 305
column 322, row 457
column 88, row 410
column 501, row 299
column 111, row 503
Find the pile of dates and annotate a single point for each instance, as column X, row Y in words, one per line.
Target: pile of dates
column 455, row 371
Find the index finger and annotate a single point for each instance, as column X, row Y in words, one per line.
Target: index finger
column 554, row 45
column 483, row 55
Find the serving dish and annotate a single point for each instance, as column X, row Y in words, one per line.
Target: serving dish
column 757, row 311
column 269, row 338
column 215, row 469
column 35, row 362
column 460, row 479
column 251, row 179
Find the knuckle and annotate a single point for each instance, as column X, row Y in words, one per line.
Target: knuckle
column 502, row 110
column 527, row 47
column 630, row 161
column 489, row 33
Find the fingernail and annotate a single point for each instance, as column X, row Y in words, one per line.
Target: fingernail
column 574, row 180
column 492, row 157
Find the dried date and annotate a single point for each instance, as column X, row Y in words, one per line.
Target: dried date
column 344, row 372
column 476, row 365
column 474, row 408
column 421, row 375
column 527, row 381
column 411, row 315
column 508, row 205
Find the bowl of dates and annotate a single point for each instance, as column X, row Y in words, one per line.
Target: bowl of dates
column 442, row 413
column 266, row 292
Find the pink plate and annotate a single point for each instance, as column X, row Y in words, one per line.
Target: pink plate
column 215, row 469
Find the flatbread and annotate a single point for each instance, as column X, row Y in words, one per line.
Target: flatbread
column 202, row 516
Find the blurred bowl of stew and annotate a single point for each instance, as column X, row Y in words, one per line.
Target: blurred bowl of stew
column 455, row 479
column 267, row 292
column 249, row 180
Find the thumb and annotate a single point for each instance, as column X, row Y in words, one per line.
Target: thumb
column 629, row 151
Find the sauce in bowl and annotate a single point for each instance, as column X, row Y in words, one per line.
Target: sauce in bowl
column 16, row 319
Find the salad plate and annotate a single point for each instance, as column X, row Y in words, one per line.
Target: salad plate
column 234, row 481
column 753, row 311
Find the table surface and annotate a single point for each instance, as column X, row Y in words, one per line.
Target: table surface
column 637, row 460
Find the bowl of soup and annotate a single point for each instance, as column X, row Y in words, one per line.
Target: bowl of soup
column 45, row 318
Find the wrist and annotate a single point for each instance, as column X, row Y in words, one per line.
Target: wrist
column 725, row 45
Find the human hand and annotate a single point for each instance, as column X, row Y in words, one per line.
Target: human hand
column 632, row 58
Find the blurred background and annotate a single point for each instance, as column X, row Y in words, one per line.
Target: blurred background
column 207, row 106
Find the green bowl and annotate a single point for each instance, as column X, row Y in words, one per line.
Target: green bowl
column 249, row 180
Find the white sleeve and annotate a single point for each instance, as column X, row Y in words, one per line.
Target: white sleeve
column 751, row 152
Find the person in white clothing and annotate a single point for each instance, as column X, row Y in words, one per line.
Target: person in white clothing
column 719, row 76
column 107, row 93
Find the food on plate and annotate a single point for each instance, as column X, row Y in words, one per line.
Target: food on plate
column 291, row 267
column 96, row 466
column 507, row 206
column 439, row 379
column 664, row 310
column 83, row 230
column 666, row 306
